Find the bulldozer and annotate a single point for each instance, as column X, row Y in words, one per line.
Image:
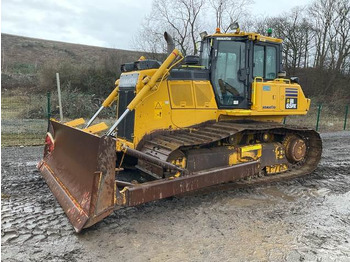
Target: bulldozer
column 182, row 125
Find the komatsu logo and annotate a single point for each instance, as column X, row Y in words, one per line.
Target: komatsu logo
column 291, row 103
column 269, row 107
column 224, row 38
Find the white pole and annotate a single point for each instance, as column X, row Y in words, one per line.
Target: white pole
column 59, row 95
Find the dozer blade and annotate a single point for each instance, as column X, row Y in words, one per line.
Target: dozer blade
column 80, row 170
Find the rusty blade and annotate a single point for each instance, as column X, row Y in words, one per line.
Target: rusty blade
column 139, row 194
column 80, row 172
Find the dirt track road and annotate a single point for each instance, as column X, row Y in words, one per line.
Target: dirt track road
column 306, row 219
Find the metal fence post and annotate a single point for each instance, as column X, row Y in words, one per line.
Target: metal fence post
column 346, row 115
column 48, row 107
column 318, row 116
column 284, row 120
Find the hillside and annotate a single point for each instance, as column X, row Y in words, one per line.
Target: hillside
column 23, row 57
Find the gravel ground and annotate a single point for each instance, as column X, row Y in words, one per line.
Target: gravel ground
column 305, row 219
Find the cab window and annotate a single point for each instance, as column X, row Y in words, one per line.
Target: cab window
column 265, row 62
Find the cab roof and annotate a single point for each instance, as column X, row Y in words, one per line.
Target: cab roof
column 251, row 36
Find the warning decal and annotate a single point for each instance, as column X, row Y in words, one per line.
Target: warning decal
column 157, row 110
column 157, row 105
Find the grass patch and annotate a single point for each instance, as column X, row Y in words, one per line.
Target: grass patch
column 22, row 68
column 23, row 132
column 16, row 128
column 12, row 139
column 12, row 106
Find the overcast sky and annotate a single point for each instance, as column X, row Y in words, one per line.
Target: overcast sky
column 108, row 23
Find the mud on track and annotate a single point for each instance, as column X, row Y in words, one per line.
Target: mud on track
column 306, row 219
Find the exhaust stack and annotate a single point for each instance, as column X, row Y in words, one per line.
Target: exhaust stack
column 170, row 43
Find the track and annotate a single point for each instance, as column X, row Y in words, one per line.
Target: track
column 163, row 145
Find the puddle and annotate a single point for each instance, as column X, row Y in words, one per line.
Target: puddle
column 31, row 163
column 275, row 193
column 248, row 202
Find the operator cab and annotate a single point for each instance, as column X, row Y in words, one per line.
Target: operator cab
column 234, row 60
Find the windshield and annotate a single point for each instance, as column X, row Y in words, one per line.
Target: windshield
column 230, row 64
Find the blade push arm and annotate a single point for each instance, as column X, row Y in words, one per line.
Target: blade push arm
column 140, row 96
column 107, row 103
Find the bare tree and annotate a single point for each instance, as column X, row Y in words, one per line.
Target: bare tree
column 323, row 15
column 148, row 38
column 228, row 11
column 181, row 18
column 184, row 20
column 298, row 38
column 295, row 30
column 342, row 29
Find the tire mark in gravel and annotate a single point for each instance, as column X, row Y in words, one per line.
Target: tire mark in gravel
column 30, row 214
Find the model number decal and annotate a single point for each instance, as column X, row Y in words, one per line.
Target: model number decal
column 291, row 103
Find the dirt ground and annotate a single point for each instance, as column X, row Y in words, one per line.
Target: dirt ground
column 306, row 219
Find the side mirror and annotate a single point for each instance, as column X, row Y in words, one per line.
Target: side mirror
column 281, row 74
column 242, row 74
column 294, row 80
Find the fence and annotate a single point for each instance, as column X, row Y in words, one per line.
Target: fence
column 323, row 117
column 24, row 117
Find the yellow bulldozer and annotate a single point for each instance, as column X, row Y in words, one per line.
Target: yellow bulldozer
column 184, row 124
